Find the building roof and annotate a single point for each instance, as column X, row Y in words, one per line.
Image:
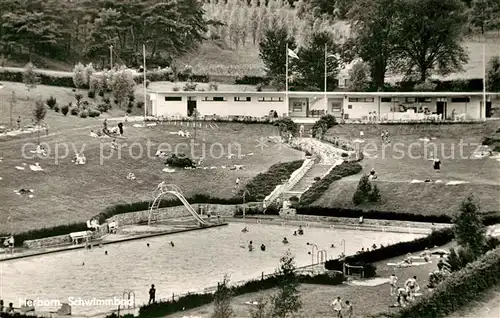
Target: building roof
column 330, row 94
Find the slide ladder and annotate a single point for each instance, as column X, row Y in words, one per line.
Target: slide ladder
column 173, row 190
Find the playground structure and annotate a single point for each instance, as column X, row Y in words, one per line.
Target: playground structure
column 348, row 270
column 170, row 189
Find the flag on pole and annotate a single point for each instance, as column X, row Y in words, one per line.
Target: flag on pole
column 292, row 54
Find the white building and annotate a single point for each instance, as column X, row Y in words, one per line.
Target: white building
column 385, row 106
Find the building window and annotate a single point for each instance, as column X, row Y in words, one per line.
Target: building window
column 297, row 107
column 349, row 106
column 460, row 100
column 242, row 99
column 268, row 99
column 410, row 100
column 173, row 98
column 424, row 99
column 336, row 107
column 361, row 100
column 386, row 100
column 218, row 99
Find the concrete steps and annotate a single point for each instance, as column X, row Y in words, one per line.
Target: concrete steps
column 307, row 180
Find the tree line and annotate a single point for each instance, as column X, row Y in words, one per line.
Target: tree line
column 85, row 29
column 414, row 38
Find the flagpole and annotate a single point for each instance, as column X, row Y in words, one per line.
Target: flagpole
column 484, row 81
column 145, row 79
column 286, row 80
column 326, row 99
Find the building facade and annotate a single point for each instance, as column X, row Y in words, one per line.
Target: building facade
column 384, row 106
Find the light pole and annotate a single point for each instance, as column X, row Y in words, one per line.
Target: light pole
column 111, row 56
column 313, row 246
column 244, row 200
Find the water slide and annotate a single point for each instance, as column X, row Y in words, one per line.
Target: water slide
column 179, row 196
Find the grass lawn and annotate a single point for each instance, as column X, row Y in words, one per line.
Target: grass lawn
column 66, row 193
column 489, row 307
column 317, row 298
column 396, row 167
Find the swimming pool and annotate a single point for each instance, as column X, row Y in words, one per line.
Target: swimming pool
column 198, row 260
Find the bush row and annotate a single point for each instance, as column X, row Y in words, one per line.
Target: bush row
column 63, row 81
column 436, row 238
column 319, row 187
column 489, row 218
column 264, row 183
column 190, row 301
column 458, row 290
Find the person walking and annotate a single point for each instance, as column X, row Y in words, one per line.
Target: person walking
column 152, row 294
column 337, row 307
column 393, row 280
column 348, row 309
column 19, row 122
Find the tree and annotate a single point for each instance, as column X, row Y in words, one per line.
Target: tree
column 359, row 78
column 287, row 300
column 272, row 51
column 79, row 76
column 493, row 74
column 311, row 62
column 375, row 28
column 13, row 102
column 362, row 191
column 430, row 39
column 122, row 85
column 30, row 77
column 469, row 228
column 39, row 113
column 482, row 13
column 222, row 300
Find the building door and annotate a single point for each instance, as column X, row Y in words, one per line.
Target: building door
column 441, row 109
column 191, row 107
column 488, row 109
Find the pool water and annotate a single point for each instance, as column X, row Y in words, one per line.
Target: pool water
column 198, row 260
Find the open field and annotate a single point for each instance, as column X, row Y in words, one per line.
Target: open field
column 404, row 160
column 66, row 193
column 316, row 299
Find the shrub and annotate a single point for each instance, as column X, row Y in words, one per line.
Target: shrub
column 102, row 107
column 470, row 283
column 101, row 93
column 74, row 111
column 131, row 98
column 56, row 108
column 51, row 102
column 176, row 89
column 344, row 154
column 287, row 125
column 116, row 101
column 179, row 161
column 189, row 86
column 94, row 113
column 317, row 178
column 374, row 196
column 264, row 183
column 318, row 188
column 139, row 104
column 212, row 86
column 65, row 110
column 323, row 124
column 91, row 94
column 106, row 100
column 365, row 192
column 84, row 114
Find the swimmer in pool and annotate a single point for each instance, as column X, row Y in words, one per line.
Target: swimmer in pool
column 262, row 247
column 285, row 241
column 172, row 243
column 250, row 246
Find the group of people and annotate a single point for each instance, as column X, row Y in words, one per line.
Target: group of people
column 406, row 293
column 342, row 310
column 385, row 137
column 262, row 247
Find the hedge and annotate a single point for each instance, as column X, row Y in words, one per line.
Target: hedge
column 319, row 187
column 190, row 301
column 63, row 81
column 458, row 290
column 264, row 183
column 436, row 238
column 251, row 80
column 489, row 218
